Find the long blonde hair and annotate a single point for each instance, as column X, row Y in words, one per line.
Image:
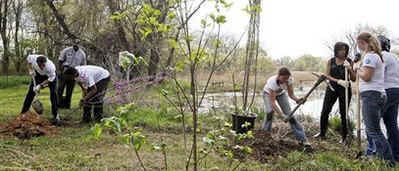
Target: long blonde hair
column 373, row 43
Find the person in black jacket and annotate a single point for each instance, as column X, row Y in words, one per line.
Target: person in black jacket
column 335, row 72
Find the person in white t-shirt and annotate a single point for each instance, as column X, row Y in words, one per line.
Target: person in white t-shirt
column 372, row 93
column 390, row 110
column 43, row 71
column 94, row 81
column 275, row 91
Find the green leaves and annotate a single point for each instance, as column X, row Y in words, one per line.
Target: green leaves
column 118, row 16
column 134, row 139
column 218, row 19
column 127, row 60
column 149, row 20
column 159, row 146
column 96, row 131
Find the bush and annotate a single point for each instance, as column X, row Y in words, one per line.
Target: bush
column 13, row 81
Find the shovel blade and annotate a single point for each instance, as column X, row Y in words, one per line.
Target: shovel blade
column 37, row 106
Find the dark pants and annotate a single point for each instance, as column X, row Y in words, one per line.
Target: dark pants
column 373, row 103
column 96, row 101
column 390, row 117
column 329, row 100
column 31, row 94
column 68, row 85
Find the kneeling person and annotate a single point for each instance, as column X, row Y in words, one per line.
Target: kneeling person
column 94, row 81
column 274, row 91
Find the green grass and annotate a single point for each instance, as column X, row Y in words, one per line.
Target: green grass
column 13, row 81
column 71, row 148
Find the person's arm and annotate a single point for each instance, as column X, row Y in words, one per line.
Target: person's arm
column 92, row 91
column 84, row 91
column 348, row 64
column 84, row 61
column 366, row 73
column 291, row 93
column 352, row 73
column 50, row 74
column 61, row 60
column 327, row 72
column 30, row 68
column 272, row 99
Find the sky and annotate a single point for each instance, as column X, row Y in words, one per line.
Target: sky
column 296, row 27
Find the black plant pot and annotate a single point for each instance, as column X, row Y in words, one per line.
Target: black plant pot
column 239, row 120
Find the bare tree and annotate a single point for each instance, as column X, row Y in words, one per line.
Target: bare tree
column 350, row 36
column 4, row 14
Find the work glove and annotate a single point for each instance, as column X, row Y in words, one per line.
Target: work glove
column 357, row 66
column 37, row 88
column 301, row 101
column 32, row 73
column 343, row 83
column 347, row 65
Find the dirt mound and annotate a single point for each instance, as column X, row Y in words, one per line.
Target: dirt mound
column 266, row 147
column 28, row 125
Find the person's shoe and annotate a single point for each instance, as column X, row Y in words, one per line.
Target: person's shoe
column 343, row 141
column 320, row 135
column 305, row 143
column 56, row 121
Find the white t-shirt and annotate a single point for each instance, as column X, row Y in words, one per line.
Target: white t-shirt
column 277, row 88
column 89, row 75
column 48, row 70
column 376, row 82
column 391, row 70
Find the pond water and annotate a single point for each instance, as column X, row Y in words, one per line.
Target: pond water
column 312, row 107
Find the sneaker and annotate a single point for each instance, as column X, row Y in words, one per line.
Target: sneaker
column 305, row 143
column 320, row 135
column 56, row 121
column 343, row 141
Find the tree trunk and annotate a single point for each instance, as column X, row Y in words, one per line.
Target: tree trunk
column 154, row 60
column 114, row 7
column 4, row 5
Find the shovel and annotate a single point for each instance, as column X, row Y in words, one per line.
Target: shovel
column 318, row 82
column 36, row 104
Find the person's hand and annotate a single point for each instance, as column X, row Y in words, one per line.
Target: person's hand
column 300, row 101
column 343, row 83
column 82, row 102
column 32, row 73
column 347, row 65
column 357, row 66
column 37, row 88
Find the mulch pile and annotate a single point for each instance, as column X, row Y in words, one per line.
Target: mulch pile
column 28, row 125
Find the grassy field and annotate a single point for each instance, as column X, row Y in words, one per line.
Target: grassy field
column 71, row 148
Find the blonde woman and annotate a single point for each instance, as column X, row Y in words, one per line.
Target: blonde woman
column 372, row 92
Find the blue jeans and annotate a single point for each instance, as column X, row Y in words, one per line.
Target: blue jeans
column 390, row 117
column 282, row 101
column 373, row 102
